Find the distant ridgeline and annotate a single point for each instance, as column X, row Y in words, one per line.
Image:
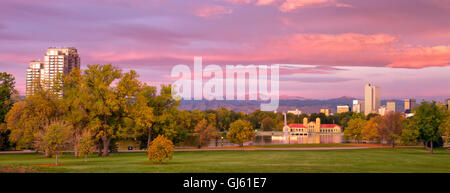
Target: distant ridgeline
column 247, row 106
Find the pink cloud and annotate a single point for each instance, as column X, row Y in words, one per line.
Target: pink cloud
column 265, row 2
column 330, row 49
column 348, row 49
column 239, row 2
column 290, row 5
column 356, row 49
column 419, row 57
column 212, row 11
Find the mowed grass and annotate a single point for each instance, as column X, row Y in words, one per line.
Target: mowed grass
column 355, row 160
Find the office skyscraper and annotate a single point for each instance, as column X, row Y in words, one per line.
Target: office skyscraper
column 57, row 60
column 372, row 99
column 410, row 104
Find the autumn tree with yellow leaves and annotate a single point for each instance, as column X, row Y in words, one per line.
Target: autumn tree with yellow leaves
column 160, row 149
column 240, row 131
column 54, row 138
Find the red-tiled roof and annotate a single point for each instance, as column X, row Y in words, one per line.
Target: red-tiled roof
column 296, row 125
column 329, row 125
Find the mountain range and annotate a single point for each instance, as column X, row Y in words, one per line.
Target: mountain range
column 285, row 104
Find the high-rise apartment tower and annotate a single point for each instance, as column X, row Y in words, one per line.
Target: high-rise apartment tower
column 56, row 60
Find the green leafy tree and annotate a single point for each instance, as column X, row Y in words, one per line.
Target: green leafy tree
column 160, row 149
column 165, row 114
column 240, row 131
column 8, row 95
column 427, row 119
column 410, row 134
column 444, row 127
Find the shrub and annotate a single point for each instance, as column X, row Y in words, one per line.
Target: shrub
column 160, row 149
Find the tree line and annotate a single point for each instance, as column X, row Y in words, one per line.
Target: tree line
column 103, row 105
column 430, row 123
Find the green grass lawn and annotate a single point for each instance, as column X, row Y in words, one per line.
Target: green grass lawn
column 308, row 145
column 357, row 160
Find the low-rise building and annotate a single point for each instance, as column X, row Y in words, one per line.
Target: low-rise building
column 390, row 106
column 343, row 108
column 325, row 111
column 312, row 127
column 358, row 106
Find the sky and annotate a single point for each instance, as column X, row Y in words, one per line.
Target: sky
column 401, row 45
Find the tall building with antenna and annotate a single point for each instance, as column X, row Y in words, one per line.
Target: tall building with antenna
column 372, row 99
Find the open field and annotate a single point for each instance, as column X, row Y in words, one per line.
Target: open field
column 354, row 160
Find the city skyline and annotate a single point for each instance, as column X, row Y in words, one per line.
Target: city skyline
column 331, row 48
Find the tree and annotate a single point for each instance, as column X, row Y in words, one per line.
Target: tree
column 223, row 119
column 427, row 119
column 205, row 132
column 444, row 127
column 267, row 124
column 8, row 95
column 344, row 118
column 240, row 131
column 54, row 138
column 160, row 149
column 110, row 105
column 142, row 114
column 354, row 128
column 29, row 117
column 370, row 130
column 371, row 115
column 85, row 144
column 410, row 133
column 106, row 105
column 76, row 103
column 390, row 127
column 165, row 112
